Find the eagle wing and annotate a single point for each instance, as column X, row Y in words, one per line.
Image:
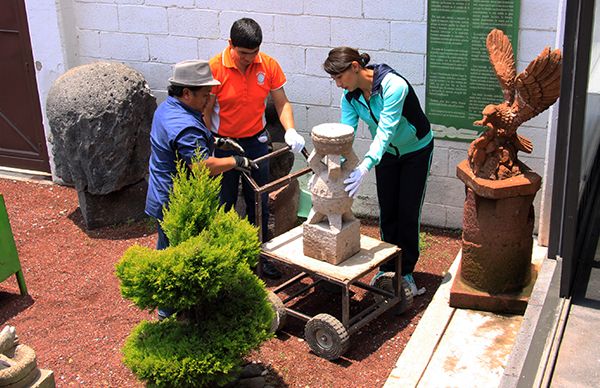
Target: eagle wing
column 538, row 86
column 503, row 61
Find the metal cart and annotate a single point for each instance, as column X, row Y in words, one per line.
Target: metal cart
column 327, row 336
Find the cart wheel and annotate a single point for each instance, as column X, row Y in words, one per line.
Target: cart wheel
column 326, row 336
column 279, row 310
column 386, row 283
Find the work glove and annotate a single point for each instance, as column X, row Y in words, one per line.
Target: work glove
column 355, row 179
column 242, row 163
column 294, row 140
column 227, row 144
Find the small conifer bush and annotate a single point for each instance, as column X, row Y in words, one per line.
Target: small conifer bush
column 223, row 310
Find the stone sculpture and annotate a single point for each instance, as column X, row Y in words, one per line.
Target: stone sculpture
column 331, row 232
column 493, row 155
column 18, row 363
column 498, row 219
column 100, row 116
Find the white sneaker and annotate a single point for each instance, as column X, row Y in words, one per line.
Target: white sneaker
column 413, row 286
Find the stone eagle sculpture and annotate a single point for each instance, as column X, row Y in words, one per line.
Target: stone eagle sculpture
column 493, row 155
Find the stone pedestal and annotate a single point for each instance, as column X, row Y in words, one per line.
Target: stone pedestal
column 497, row 242
column 121, row 206
column 320, row 242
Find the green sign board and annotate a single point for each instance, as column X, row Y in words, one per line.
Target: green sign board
column 460, row 79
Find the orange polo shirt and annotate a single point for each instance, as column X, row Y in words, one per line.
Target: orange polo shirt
column 241, row 99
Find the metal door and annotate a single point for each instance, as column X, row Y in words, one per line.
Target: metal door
column 22, row 140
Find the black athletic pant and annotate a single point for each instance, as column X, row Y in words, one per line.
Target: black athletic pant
column 401, row 183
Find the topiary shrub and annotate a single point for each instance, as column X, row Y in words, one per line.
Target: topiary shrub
column 223, row 309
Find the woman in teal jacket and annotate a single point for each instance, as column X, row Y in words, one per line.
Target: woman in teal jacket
column 401, row 150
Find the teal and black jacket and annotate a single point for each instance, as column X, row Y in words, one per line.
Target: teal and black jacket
column 393, row 114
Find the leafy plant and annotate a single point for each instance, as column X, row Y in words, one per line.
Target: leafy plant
column 205, row 275
column 193, row 202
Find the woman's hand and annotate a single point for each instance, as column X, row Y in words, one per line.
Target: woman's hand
column 355, row 179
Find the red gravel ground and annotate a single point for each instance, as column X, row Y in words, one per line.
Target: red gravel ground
column 76, row 321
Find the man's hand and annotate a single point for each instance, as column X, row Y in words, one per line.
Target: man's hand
column 294, row 140
column 242, row 163
column 227, row 144
column 355, row 179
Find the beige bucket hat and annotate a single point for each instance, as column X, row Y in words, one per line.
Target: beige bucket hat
column 192, row 73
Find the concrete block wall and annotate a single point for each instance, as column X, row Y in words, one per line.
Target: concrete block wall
column 152, row 35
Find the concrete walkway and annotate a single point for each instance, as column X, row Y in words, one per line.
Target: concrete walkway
column 457, row 347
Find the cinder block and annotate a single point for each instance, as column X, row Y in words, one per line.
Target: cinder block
column 445, row 191
column 291, row 58
column 170, row 3
column 156, row 74
column 409, row 37
column 315, row 56
column 454, row 158
column 172, row 49
column 226, row 19
column 114, row 45
column 532, row 42
column 394, row 10
column 88, row 42
column 366, row 34
column 96, row 16
column 454, row 217
column 320, row 114
column 208, row 48
column 439, row 163
column 333, row 247
column 143, row 20
column 411, row 66
column 433, row 215
column 308, row 89
column 531, row 17
column 339, row 8
column 194, row 23
column 302, row 30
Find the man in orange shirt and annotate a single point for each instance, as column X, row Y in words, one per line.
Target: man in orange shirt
column 236, row 110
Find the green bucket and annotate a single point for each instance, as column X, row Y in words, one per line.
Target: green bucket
column 305, row 203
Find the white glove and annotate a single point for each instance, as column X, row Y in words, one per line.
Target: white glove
column 294, row 140
column 355, row 179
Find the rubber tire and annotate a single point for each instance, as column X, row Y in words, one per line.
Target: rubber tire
column 280, row 315
column 326, row 336
column 386, row 283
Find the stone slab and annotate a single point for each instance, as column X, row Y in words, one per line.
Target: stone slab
column 526, row 184
column 473, row 350
column 422, row 345
column 287, row 248
column 464, row 296
column 321, row 243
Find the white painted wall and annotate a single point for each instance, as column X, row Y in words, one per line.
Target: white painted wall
column 151, row 35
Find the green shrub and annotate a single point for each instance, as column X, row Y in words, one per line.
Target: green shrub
column 193, row 202
column 170, row 353
column 206, row 276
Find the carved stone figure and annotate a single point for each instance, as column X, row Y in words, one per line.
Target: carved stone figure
column 331, row 232
column 494, row 154
column 497, row 240
column 100, row 116
column 18, row 363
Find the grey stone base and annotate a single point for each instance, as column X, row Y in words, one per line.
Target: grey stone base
column 333, row 247
column 117, row 207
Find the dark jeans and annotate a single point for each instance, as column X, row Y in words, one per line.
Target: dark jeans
column 231, row 179
column 401, row 183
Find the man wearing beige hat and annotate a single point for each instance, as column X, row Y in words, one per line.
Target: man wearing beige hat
column 178, row 130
